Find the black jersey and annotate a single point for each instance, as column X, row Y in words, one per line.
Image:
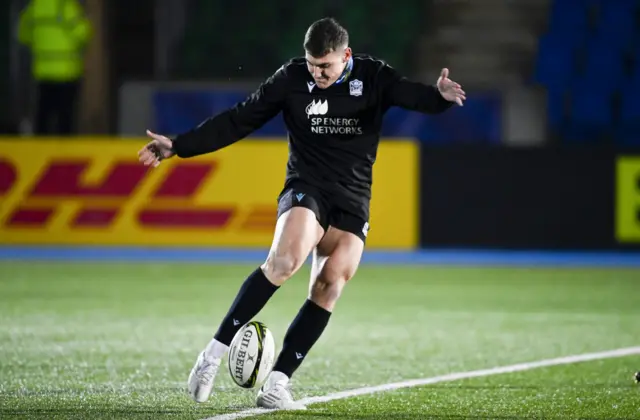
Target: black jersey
column 333, row 133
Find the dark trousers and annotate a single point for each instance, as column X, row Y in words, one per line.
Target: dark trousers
column 56, row 108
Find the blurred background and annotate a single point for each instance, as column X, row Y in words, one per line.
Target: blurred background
column 543, row 155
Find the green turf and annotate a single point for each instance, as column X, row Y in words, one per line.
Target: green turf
column 118, row 341
column 595, row 390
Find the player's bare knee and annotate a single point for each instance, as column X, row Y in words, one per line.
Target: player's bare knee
column 326, row 294
column 328, row 285
column 279, row 268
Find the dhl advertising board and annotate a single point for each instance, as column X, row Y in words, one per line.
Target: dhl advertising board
column 95, row 192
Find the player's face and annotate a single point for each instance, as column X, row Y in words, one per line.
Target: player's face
column 326, row 70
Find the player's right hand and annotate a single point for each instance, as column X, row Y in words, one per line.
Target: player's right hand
column 158, row 149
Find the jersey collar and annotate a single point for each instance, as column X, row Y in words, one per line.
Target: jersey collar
column 346, row 72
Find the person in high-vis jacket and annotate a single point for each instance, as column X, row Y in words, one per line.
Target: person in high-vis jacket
column 57, row 32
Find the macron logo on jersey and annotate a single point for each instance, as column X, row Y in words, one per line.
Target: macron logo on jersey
column 317, row 108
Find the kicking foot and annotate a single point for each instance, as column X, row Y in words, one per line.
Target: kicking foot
column 274, row 394
column 201, row 377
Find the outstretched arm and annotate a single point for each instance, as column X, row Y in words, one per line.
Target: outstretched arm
column 237, row 122
column 223, row 129
column 399, row 91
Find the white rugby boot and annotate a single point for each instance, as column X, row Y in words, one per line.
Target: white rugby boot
column 275, row 395
column 202, row 376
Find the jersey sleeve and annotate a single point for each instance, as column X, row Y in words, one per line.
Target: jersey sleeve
column 399, row 91
column 236, row 122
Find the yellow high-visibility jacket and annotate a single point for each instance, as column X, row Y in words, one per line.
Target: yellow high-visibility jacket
column 57, row 32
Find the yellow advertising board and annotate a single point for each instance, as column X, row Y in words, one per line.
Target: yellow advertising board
column 95, row 192
column 628, row 199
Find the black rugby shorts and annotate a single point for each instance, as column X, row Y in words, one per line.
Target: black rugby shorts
column 301, row 194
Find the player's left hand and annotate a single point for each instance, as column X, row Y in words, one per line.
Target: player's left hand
column 450, row 90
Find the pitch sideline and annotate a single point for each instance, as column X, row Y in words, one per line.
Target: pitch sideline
column 519, row 367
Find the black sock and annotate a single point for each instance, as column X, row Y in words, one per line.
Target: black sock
column 302, row 334
column 254, row 293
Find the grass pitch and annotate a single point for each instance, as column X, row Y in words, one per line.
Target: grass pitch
column 118, row 341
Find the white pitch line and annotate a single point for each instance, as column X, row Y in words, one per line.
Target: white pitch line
column 519, row 367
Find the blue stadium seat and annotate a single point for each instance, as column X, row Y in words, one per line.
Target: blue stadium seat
column 635, row 74
column 556, row 60
column 568, row 15
column 604, row 63
column 629, row 127
column 556, row 114
column 591, row 113
column 586, row 58
column 617, row 22
column 568, row 37
column 635, row 54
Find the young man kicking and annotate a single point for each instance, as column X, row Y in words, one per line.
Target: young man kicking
column 333, row 103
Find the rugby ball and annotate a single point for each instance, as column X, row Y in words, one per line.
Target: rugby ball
column 251, row 354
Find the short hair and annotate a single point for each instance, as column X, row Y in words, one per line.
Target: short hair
column 325, row 36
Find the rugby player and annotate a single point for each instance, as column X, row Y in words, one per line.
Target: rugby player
column 333, row 103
